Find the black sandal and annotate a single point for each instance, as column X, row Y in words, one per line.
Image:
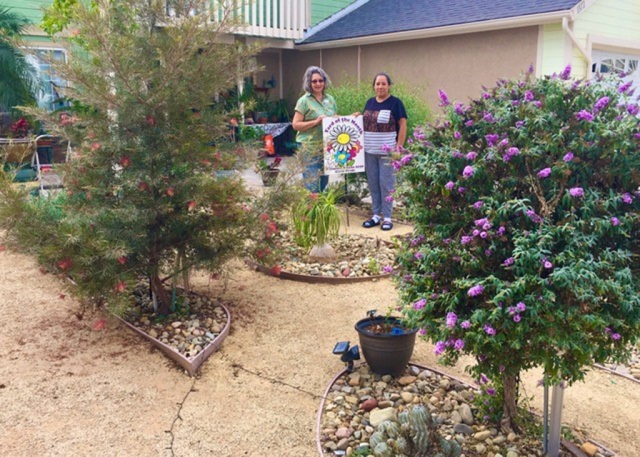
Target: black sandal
column 387, row 225
column 370, row 223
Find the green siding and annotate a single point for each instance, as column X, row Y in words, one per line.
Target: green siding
column 553, row 41
column 322, row 9
column 32, row 9
column 610, row 18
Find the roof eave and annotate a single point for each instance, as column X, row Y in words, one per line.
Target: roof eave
column 473, row 27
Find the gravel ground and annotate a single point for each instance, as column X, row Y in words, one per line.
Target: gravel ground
column 69, row 390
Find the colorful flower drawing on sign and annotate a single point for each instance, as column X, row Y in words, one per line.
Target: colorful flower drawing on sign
column 343, row 145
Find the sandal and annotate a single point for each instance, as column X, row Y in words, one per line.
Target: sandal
column 370, row 223
column 387, row 225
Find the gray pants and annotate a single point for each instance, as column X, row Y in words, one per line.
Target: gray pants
column 382, row 180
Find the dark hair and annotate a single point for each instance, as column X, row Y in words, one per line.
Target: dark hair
column 382, row 73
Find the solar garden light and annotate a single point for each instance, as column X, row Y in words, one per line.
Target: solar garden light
column 347, row 354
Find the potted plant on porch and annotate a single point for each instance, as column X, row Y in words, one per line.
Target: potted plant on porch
column 386, row 342
column 268, row 171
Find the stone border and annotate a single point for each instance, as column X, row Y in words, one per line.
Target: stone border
column 191, row 365
column 310, row 278
column 568, row 447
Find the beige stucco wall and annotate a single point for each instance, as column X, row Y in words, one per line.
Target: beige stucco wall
column 458, row 64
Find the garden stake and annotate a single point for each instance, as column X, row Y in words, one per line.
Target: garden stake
column 346, row 194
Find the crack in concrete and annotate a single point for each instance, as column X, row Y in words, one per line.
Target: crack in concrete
column 175, row 419
column 237, row 366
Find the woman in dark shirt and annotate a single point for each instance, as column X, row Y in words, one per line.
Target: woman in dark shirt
column 385, row 130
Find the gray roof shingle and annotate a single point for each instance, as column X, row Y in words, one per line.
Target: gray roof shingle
column 388, row 16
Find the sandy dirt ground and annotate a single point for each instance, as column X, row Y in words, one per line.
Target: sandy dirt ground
column 67, row 390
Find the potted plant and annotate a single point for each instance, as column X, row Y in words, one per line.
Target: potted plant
column 279, row 111
column 268, row 171
column 263, row 107
column 316, row 221
column 386, row 343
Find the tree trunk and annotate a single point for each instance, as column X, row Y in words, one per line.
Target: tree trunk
column 509, row 404
column 164, row 300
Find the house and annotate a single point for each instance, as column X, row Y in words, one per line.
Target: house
column 42, row 47
column 276, row 23
column 460, row 45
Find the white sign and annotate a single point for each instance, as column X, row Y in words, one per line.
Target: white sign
column 343, row 138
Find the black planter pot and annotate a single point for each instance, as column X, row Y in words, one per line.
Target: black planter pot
column 269, row 177
column 385, row 353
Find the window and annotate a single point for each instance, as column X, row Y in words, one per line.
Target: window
column 50, row 97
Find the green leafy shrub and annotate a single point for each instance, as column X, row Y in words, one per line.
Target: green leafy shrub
column 316, row 219
column 351, row 97
column 525, row 205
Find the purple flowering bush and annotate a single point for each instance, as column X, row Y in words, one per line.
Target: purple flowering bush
column 532, row 262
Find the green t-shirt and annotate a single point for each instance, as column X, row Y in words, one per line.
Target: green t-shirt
column 311, row 109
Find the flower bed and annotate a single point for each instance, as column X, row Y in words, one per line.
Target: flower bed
column 355, row 403
column 190, row 334
column 359, row 258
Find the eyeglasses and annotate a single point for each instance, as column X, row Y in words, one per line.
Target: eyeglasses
column 317, row 81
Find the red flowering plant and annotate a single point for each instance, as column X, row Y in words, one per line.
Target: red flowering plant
column 142, row 197
column 526, row 211
column 20, row 128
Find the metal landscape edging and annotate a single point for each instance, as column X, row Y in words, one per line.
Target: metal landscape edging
column 191, row 365
column 310, row 278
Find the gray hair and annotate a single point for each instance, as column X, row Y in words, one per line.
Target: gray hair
column 306, row 79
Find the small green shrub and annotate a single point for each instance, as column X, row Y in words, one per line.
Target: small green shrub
column 317, row 218
column 351, row 97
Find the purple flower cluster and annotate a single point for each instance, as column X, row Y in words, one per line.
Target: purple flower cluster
column 465, row 325
column 568, row 157
column 528, row 96
column 601, row 104
column 386, row 148
column 458, row 345
column 406, row 159
column 419, row 255
column 457, row 135
column 489, row 330
column 492, row 139
column 459, row 108
column 576, row 192
column 475, row 290
column 511, row 153
column 626, row 198
column 439, row 347
column 478, row 204
column 452, row 319
column 534, row 217
column 444, row 98
column 633, row 109
column 449, row 185
column 387, row 269
column 417, row 240
column 566, row 73
column 516, row 310
column 615, row 221
column 457, row 154
column 488, row 117
column 625, row 87
column 508, row 262
column 468, row 172
column 584, row 115
column 419, row 304
column 472, row 155
column 544, row 173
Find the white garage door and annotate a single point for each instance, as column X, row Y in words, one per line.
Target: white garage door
column 607, row 62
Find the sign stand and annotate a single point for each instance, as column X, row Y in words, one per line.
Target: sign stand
column 346, row 197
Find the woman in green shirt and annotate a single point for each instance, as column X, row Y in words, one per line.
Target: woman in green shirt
column 310, row 109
